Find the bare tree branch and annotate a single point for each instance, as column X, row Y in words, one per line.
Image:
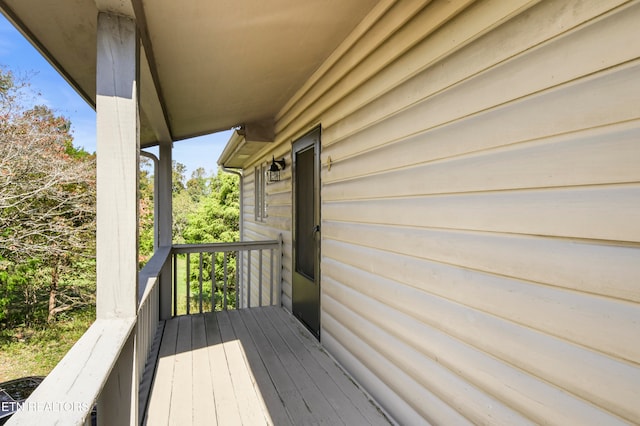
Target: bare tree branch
column 47, row 190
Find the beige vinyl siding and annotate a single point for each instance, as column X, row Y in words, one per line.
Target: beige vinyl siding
column 276, row 223
column 480, row 218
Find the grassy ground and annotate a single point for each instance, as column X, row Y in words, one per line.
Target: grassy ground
column 182, row 291
column 35, row 351
column 181, row 287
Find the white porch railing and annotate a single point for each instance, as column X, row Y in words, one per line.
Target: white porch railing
column 199, row 287
column 149, row 304
column 148, row 318
column 69, row 392
column 79, row 381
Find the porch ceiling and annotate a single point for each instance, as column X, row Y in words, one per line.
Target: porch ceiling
column 210, row 65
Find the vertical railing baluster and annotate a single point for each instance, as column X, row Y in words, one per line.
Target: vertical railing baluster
column 260, row 277
column 213, row 281
column 238, row 287
column 200, row 283
column 271, row 277
column 279, row 270
column 248, row 278
column 224, row 282
column 244, row 271
column 187, row 282
column 175, row 284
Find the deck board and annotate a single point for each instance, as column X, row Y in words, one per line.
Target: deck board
column 285, row 387
column 225, row 401
column 205, row 409
column 276, row 409
column 182, row 376
column 333, row 381
column 305, row 384
column 249, row 401
column 160, row 395
column 251, row 367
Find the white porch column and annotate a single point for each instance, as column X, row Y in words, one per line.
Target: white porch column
column 117, row 202
column 165, row 224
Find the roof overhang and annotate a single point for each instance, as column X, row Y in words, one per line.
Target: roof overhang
column 246, row 141
column 206, row 65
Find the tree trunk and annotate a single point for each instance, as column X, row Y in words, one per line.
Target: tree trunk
column 53, row 291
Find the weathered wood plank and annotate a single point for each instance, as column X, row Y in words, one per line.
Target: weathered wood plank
column 204, row 406
column 226, row 405
column 181, row 411
column 149, row 371
column 315, row 400
column 296, row 340
column 237, row 369
column 276, row 411
column 347, row 399
column 250, row 404
column 160, row 398
column 284, row 384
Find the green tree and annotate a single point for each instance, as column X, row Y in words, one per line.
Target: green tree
column 146, row 212
column 198, row 185
column 47, row 205
column 206, row 209
column 215, row 219
column 178, row 170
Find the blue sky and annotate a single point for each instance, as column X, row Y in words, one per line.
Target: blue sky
column 17, row 55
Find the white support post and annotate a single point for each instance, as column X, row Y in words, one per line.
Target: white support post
column 165, row 224
column 118, row 147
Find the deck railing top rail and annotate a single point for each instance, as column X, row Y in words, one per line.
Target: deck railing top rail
column 204, row 281
column 151, row 272
column 222, row 247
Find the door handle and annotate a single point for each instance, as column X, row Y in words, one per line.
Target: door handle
column 316, row 229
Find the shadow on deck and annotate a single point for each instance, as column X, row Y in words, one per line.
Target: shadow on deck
column 251, row 367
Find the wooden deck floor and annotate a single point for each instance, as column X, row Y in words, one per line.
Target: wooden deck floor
column 251, row 367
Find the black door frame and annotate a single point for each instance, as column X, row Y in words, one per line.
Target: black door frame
column 310, row 140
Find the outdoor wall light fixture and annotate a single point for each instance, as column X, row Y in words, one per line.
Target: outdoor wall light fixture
column 274, row 169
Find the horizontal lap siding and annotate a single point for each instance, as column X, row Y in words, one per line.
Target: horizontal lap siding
column 480, row 232
column 481, row 241
column 277, row 222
